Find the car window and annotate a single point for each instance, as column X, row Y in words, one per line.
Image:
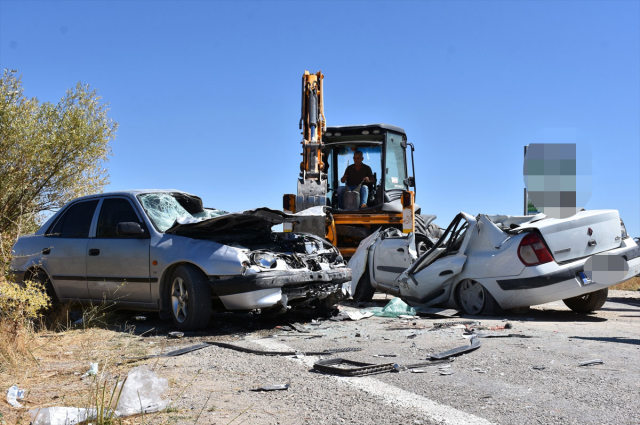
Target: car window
column 112, row 212
column 76, row 221
column 165, row 208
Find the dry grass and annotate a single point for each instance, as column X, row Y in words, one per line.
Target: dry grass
column 632, row 284
column 52, row 376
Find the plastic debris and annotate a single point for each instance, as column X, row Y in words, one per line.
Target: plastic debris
column 176, row 334
column 385, row 355
column 394, row 308
column 142, row 393
column 60, row 415
column 445, row 372
column 591, row 362
column 418, row 370
column 538, row 368
column 437, row 312
column 93, row 370
column 357, row 315
column 13, row 394
column 475, row 344
column 272, row 387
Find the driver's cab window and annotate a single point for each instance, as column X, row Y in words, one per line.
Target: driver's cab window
column 371, row 156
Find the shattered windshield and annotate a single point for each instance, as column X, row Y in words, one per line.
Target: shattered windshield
column 163, row 209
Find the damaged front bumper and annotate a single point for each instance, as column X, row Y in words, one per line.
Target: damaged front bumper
column 269, row 288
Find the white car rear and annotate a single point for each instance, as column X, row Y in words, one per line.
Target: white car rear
column 514, row 261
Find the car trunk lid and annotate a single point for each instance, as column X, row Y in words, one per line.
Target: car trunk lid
column 586, row 233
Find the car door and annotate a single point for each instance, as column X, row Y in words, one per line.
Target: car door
column 392, row 255
column 118, row 266
column 429, row 277
column 64, row 257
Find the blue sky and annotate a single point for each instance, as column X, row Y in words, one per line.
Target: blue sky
column 207, row 93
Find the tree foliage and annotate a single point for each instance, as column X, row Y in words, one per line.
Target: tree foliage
column 51, row 153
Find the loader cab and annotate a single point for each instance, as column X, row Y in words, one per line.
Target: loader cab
column 384, row 150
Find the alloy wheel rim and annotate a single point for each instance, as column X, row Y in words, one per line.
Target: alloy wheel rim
column 179, row 299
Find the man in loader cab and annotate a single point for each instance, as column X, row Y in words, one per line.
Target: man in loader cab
column 354, row 175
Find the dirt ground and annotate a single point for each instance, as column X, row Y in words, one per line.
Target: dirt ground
column 508, row 380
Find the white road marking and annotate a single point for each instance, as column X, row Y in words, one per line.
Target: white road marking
column 390, row 394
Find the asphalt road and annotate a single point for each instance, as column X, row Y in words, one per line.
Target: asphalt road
column 508, row 380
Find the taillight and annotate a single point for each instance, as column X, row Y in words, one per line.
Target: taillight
column 532, row 251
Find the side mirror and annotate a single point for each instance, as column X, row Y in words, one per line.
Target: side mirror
column 129, row 229
column 410, row 181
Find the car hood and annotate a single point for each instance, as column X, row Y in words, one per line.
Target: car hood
column 261, row 219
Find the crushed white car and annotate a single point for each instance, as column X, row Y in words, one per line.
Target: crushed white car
column 497, row 261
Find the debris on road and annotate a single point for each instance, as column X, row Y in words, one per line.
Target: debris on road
column 60, row 415
column 140, row 318
column 282, row 353
column 458, row 322
column 337, row 366
column 475, row 344
column 176, row 334
column 394, row 308
column 591, row 362
column 171, row 353
column 357, row 315
column 539, row 367
column 277, row 387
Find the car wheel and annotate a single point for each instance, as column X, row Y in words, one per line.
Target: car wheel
column 588, row 302
column 474, row 299
column 43, row 279
column 190, row 297
column 423, row 244
column 364, row 290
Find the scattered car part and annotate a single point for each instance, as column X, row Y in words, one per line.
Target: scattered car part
column 459, row 322
column 176, row 334
column 496, row 335
column 282, row 353
column 475, row 344
column 276, row 387
column 171, row 353
column 591, row 362
column 333, row 366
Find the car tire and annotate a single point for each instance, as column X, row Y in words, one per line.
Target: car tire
column 474, row 299
column 364, row 290
column 588, row 302
column 42, row 278
column 423, row 244
column 189, row 298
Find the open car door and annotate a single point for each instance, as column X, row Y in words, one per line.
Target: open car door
column 431, row 276
column 393, row 253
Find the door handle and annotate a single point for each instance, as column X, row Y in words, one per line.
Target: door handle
column 446, row 272
column 46, row 251
column 94, row 252
column 400, row 249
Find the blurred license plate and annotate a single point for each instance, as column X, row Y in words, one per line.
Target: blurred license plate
column 583, row 277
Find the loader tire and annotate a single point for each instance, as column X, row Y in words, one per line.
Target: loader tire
column 364, row 290
column 588, row 302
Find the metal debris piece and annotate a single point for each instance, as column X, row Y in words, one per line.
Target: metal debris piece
column 176, row 334
column 495, row 335
column 538, row 368
column 140, row 318
column 437, row 312
column 336, row 366
column 407, row 317
column 385, row 355
column 272, row 387
column 591, row 362
column 458, row 322
column 171, row 353
column 475, row 344
column 418, row 370
column 282, row 353
column 445, row 372
column 477, row 369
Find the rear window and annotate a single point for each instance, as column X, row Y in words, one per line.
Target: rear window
column 76, row 221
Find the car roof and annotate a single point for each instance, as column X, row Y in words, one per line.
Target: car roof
column 132, row 192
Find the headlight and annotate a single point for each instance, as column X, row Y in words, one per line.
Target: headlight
column 623, row 230
column 264, row 259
